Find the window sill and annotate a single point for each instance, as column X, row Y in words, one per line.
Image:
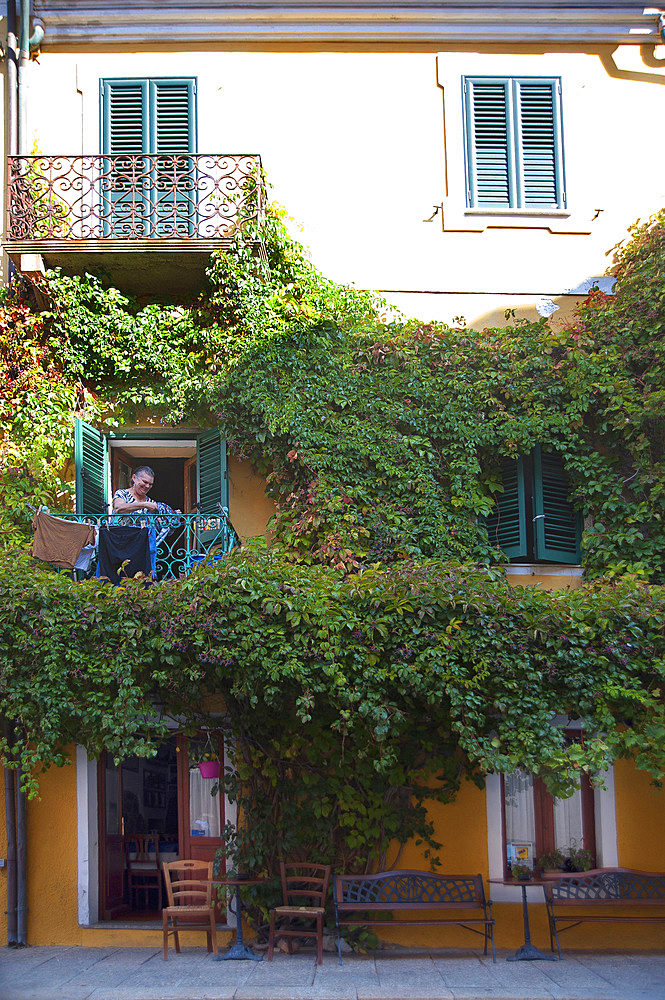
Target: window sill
column 476, row 220
column 543, row 569
column 521, row 213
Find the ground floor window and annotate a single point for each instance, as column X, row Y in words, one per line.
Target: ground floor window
column 536, row 823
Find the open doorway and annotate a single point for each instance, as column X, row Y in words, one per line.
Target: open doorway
column 173, row 475
column 164, row 798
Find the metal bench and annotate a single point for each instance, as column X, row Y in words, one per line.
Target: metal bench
column 601, row 887
column 363, row 896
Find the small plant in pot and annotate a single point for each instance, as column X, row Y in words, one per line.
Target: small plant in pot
column 204, row 754
column 551, row 861
column 579, row 859
column 521, row 871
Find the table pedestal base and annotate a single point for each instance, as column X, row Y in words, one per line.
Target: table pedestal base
column 529, row 953
column 238, row 953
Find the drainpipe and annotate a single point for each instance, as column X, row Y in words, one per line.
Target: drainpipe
column 21, row 864
column 10, row 823
column 27, row 45
column 12, row 79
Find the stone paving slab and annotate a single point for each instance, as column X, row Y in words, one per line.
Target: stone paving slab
column 71, row 973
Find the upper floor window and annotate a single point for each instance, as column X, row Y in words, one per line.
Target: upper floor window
column 148, row 116
column 533, row 518
column 514, row 144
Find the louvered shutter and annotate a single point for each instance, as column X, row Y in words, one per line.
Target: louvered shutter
column 514, row 148
column 558, row 526
column 538, row 143
column 211, row 473
column 91, row 469
column 489, row 145
column 506, row 525
column 173, row 131
column 126, row 204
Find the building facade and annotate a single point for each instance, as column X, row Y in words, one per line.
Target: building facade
column 463, row 161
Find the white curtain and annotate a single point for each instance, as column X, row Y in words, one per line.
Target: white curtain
column 568, row 829
column 520, row 814
column 203, row 807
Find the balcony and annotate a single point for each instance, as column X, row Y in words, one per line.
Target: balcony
column 104, row 213
column 184, row 541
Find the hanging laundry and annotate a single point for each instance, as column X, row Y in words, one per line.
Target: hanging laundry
column 119, row 544
column 59, row 541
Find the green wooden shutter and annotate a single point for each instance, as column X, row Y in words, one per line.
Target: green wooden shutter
column 172, row 130
column 91, row 469
column 212, row 481
column 506, row 525
column 538, row 143
column 125, row 117
column 514, row 145
column 558, row 526
column 490, row 165
column 126, row 205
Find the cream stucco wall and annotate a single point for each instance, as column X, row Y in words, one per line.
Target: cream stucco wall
column 354, row 144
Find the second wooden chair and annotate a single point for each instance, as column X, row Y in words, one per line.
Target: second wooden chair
column 304, row 893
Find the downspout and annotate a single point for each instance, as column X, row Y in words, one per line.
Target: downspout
column 12, row 79
column 10, row 824
column 21, row 864
column 27, row 45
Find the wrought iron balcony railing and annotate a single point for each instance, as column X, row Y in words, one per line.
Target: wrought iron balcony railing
column 170, row 196
column 184, row 541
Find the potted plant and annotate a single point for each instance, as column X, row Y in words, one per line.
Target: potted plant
column 579, row 859
column 521, row 871
column 551, row 861
column 205, row 755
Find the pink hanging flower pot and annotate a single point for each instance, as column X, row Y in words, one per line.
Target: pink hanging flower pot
column 209, row 768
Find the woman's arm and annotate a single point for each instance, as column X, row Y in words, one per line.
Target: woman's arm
column 122, row 507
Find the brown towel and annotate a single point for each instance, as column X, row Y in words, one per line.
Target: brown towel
column 58, row 541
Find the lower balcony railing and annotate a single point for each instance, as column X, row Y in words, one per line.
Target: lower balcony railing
column 184, row 541
column 132, row 197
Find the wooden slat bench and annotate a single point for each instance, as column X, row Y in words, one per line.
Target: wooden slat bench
column 363, row 896
column 569, row 898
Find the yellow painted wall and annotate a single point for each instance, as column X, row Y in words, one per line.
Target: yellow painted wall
column 249, row 507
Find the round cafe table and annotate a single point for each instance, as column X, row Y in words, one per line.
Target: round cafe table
column 528, row 952
column 239, row 951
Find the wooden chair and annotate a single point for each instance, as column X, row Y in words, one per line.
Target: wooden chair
column 143, row 868
column 190, row 902
column 304, row 892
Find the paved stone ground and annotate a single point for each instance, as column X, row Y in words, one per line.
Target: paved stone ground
column 60, row 973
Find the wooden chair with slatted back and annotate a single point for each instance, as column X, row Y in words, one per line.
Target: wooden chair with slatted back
column 190, row 902
column 304, row 893
column 144, row 871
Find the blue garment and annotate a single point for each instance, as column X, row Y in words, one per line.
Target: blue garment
column 152, row 542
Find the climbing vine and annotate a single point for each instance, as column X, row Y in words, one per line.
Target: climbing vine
column 370, row 660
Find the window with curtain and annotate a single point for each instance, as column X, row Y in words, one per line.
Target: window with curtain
column 536, row 822
column 514, row 143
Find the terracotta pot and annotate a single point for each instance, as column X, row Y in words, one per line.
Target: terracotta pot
column 209, row 768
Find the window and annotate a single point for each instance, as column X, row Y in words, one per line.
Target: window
column 514, row 148
column 143, row 118
column 194, row 470
column 536, row 822
column 534, row 519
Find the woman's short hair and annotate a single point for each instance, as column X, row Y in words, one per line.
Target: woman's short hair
column 146, row 469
